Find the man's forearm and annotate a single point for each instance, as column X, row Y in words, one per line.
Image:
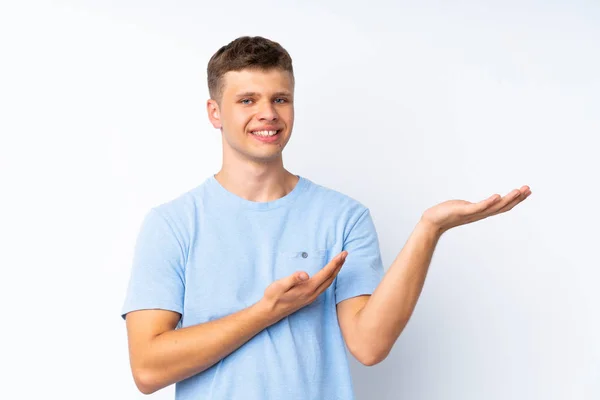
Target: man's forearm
column 389, row 308
column 178, row 354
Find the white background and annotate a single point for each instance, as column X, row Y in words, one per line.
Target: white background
column 401, row 106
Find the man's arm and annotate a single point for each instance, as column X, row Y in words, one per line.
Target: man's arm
column 372, row 324
column 160, row 355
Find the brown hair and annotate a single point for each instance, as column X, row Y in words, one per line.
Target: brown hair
column 245, row 52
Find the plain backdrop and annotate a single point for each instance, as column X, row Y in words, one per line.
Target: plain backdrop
column 399, row 105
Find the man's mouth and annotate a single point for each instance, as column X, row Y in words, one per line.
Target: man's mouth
column 265, row 133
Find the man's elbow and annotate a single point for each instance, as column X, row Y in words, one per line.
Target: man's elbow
column 145, row 381
column 370, row 357
column 371, row 360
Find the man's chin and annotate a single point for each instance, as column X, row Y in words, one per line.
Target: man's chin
column 265, row 158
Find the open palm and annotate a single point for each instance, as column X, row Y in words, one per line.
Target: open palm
column 452, row 213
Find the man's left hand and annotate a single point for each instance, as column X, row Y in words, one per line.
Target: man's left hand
column 453, row 213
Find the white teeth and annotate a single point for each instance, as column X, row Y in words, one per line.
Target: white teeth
column 264, row 133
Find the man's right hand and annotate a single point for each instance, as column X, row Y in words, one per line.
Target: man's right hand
column 286, row 296
column 161, row 354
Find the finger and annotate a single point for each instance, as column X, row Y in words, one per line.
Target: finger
column 497, row 204
column 296, row 278
column 330, row 269
column 300, row 276
column 325, row 284
column 484, row 205
column 513, row 203
column 508, row 202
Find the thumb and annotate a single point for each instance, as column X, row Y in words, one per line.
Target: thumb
column 295, row 278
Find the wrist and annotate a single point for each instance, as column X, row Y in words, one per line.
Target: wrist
column 265, row 311
column 430, row 227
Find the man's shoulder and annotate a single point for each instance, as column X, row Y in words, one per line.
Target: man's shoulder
column 183, row 206
column 335, row 198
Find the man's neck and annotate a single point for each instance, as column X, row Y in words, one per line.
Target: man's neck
column 257, row 183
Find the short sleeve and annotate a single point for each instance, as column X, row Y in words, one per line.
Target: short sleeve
column 157, row 278
column 363, row 268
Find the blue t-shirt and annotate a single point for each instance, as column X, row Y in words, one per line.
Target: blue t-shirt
column 209, row 253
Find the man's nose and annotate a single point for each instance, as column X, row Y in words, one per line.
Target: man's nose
column 267, row 112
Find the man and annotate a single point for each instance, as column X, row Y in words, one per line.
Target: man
column 251, row 285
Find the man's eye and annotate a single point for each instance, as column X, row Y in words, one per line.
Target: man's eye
column 280, row 100
column 245, row 101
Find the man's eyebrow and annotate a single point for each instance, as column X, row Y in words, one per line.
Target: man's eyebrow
column 255, row 94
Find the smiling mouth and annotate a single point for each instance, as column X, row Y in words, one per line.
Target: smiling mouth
column 266, row 133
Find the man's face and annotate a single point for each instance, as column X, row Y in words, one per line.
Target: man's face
column 255, row 104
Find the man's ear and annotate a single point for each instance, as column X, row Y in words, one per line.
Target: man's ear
column 214, row 113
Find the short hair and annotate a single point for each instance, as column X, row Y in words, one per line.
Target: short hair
column 245, row 52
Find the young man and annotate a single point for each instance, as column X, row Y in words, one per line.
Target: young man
column 267, row 275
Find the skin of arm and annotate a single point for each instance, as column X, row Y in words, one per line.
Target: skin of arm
column 161, row 355
column 371, row 324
